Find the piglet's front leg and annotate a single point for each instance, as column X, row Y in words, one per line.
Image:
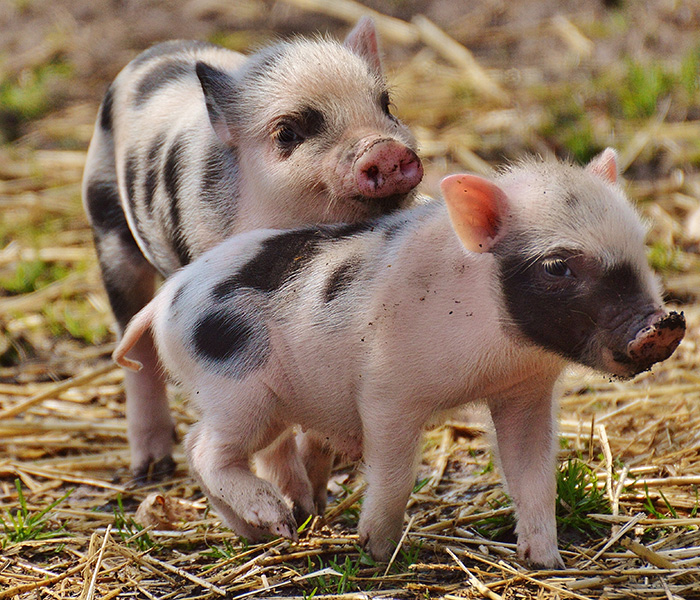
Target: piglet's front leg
column 390, row 456
column 526, row 434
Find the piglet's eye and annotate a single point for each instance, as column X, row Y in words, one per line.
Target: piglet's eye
column 287, row 136
column 556, row 267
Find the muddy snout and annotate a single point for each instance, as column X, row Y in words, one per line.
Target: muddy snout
column 657, row 341
column 387, row 168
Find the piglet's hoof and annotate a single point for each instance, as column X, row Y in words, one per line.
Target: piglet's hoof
column 271, row 517
column 542, row 559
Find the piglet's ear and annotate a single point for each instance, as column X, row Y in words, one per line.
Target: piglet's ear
column 220, row 92
column 476, row 208
column 362, row 40
column 604, row 165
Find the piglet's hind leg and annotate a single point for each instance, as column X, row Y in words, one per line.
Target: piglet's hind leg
column 219, row 448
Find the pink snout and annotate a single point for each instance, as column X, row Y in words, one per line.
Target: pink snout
column 387, row 168
column 657, row 341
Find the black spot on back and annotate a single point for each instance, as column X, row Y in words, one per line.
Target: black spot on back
column 282, row 256
column 171, row 176
column 227, row 337
column 226, row 289
column 161, row 75
column 341, row 278
column 106, row 116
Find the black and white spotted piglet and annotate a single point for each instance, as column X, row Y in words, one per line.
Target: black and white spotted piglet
column 363, row 333
column 194, row 143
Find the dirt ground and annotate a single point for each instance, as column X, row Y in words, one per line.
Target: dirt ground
column 480, row 83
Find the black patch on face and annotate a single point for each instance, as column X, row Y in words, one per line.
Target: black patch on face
column 162, row 74
column 152, row 171
column 312, row 121
column 106, row 117
column 171, row 177
column 228, row 338
column 565, row 314
column 555, row 317
column 170, row 47
column 293, row 130
column 341, row 278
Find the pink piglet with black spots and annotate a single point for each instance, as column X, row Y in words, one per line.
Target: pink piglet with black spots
column 194, row 143
column 363, row 333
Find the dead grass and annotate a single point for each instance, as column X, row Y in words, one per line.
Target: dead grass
column 62, row 426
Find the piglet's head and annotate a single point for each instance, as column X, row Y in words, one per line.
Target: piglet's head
column 571, row 263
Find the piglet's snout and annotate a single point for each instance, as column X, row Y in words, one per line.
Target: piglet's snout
column 386, row 168
column 657, row 340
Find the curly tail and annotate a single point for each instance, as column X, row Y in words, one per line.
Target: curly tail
column 138, row 325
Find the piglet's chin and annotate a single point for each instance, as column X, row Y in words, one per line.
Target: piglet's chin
column 616, row 363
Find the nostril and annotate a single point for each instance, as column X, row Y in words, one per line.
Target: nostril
column 373, row 176
column 410, row 167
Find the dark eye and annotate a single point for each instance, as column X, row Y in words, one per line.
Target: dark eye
column 556, row 267
column 385, row 102
column 287, row 136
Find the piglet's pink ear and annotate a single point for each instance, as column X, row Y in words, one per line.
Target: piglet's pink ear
column 476, row 208
column 604, row 165
column 362, row 40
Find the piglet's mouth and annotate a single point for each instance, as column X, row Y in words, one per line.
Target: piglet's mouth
column 652, row 344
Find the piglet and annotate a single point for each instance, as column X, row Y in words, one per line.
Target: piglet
column 364, row 333
column 194, row 143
